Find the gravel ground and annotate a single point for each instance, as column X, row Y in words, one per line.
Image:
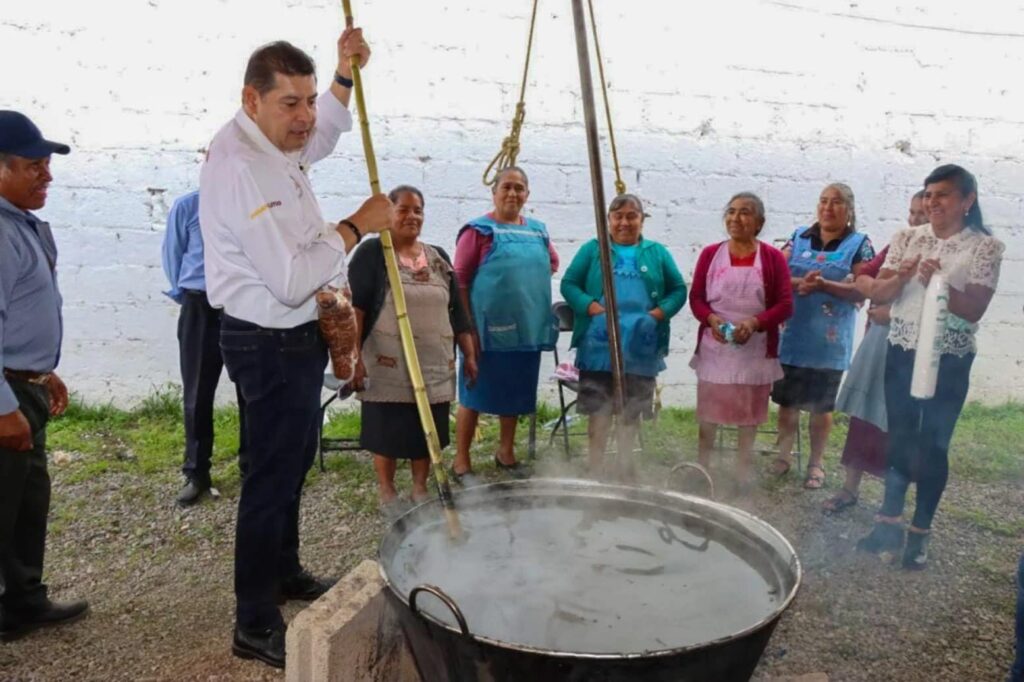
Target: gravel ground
column 159, row 580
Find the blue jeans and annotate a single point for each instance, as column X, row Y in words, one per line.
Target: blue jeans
column 279, row 373
column 1017, row 671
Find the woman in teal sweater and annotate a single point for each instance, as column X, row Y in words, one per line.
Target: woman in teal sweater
column 649, row 290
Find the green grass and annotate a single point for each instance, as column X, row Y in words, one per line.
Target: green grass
column 150, row 439
column 988, row 444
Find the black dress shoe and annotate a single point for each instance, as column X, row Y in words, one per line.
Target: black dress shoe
column 18, row 623
column 191, row 493
column 304, row 586
column 264, row 645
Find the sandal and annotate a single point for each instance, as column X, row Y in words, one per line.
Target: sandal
column 842, row 500
column 394, row 508
column 780, row 467
column 815, row 481
column 515, row 470
column 464, row 480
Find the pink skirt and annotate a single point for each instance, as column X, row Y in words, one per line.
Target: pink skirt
column 732, row 404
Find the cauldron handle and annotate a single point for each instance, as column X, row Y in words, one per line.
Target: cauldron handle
column 702, row 470
column 445, row 599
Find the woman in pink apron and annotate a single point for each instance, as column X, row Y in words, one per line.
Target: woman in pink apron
column 741, row 294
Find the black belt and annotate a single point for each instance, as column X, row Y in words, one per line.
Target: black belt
column 28, row 376
column 238, row 325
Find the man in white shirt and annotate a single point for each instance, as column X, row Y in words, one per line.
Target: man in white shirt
column 267, row 251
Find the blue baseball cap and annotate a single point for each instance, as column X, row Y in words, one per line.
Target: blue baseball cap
column 20, row 136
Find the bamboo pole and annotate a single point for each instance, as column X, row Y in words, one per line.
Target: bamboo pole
column 405, row 329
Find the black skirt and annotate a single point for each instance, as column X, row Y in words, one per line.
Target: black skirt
column 394, row 429
column 596, row 395
column 808, row 389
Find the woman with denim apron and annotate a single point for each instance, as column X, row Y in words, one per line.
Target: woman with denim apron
column 817, row 342
column 649, row 291
column 862, row 396
column 504, row 262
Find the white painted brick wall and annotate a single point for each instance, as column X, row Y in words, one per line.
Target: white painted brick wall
column 709, row 99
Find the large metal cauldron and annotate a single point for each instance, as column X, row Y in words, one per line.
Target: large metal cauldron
column 574, row 580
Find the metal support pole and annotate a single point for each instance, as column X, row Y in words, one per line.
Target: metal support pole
column 600, row 216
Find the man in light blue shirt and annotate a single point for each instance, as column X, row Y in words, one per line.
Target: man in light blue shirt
column 30, row 392
column 198, row 343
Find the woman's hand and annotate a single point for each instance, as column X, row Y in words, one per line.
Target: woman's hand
column 359, row 378
column 745, row 329
column 469, row 344
column 657, row 313
column 879, row 314
column 811, row 282
column 594, row 309
column 470, row 369
column 926, row 269
column 715, row 322
column 908, row 268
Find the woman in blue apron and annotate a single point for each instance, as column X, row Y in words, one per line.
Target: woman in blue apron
column 649, row 291
column 503, row 262
column 817, row 342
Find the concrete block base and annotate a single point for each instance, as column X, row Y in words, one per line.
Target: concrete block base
column 350, row 634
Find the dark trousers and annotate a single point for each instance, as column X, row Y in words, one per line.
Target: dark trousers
column 24, row 506
column 201, row 364
column 280, row 373
column 920, row 432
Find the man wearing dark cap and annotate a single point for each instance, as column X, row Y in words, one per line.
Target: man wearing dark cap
column 30, row 391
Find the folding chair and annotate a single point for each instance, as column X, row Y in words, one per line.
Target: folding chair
column 564, row 314
column 797, row 444
column 332, row 384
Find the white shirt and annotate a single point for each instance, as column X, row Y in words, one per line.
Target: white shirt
column 268, row 248
column 968, row 257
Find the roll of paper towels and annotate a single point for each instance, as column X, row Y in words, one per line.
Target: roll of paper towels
column 934, row 312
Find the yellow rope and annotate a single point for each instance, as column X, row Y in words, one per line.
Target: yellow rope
column 506, row 156
column 620, row 186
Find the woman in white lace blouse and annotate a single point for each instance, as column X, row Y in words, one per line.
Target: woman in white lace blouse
column 957, row 245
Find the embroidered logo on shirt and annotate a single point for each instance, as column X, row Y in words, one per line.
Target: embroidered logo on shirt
column 265, row 207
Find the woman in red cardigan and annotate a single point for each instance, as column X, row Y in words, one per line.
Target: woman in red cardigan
column 741, row 294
